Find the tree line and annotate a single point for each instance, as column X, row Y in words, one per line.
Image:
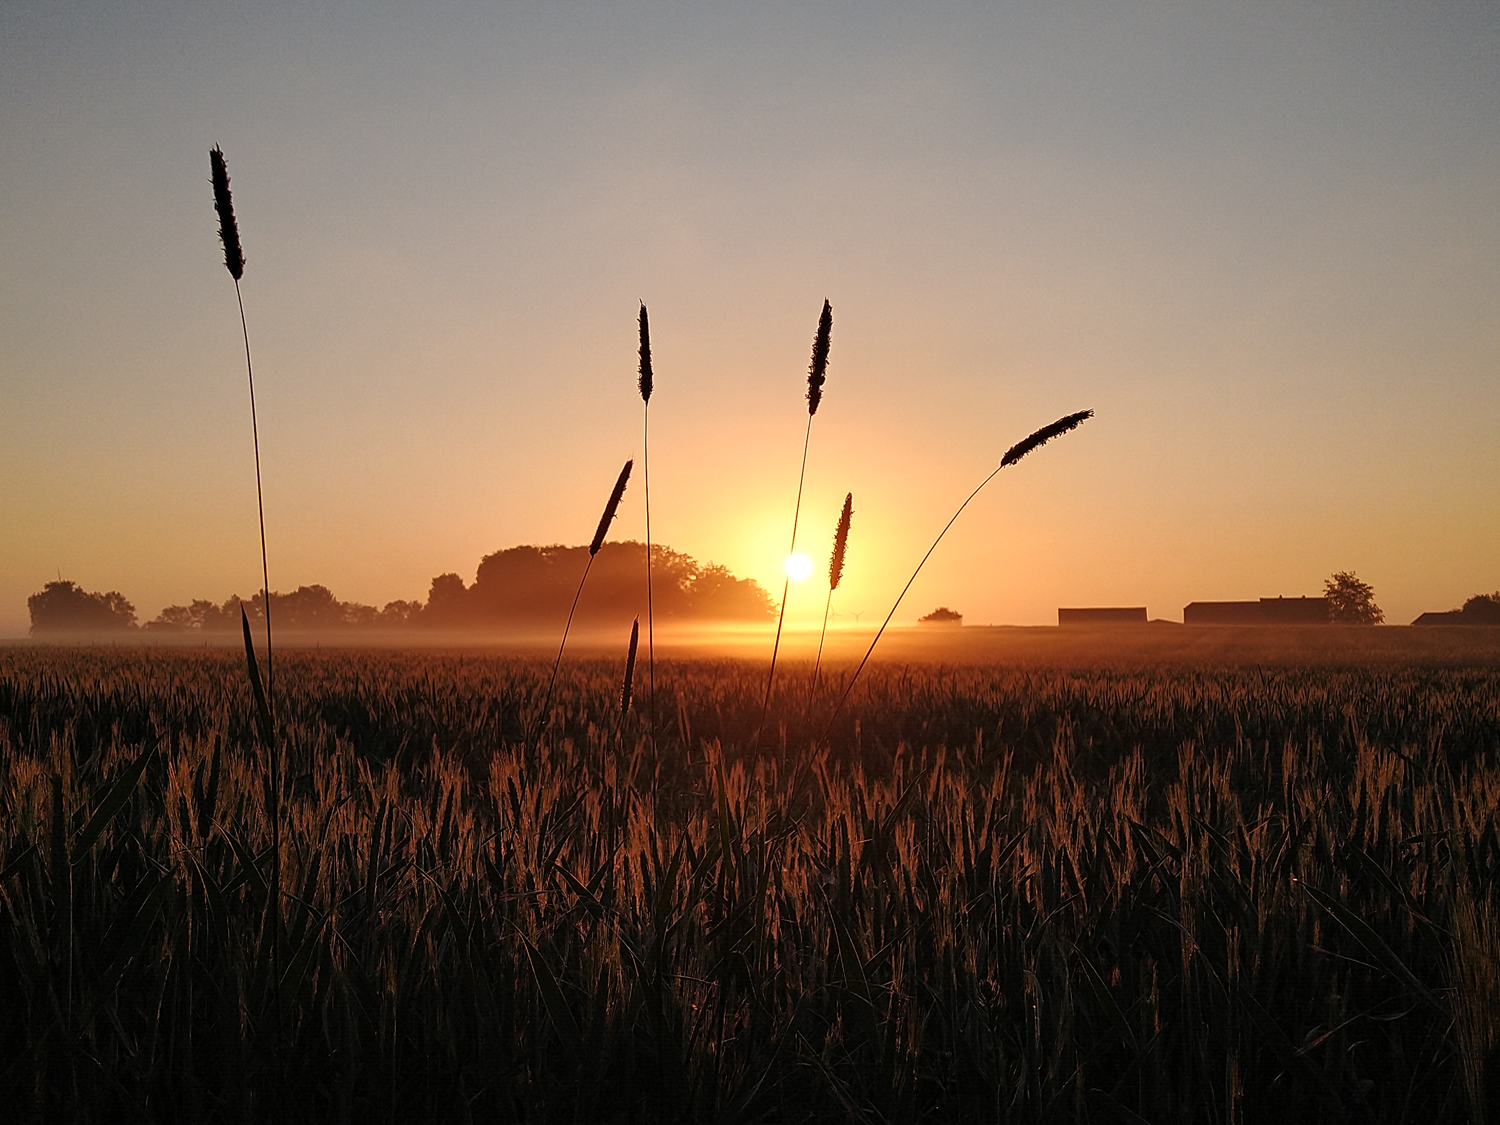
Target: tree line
column 520, row 587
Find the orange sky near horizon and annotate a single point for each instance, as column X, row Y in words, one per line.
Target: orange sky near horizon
column 1264, row 246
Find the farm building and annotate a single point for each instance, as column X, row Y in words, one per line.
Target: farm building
column 1481, row 609
column 1266, row 611
column 1102, row 615
column 1441, row 617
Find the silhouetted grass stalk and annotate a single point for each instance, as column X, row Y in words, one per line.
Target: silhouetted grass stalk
column 816, row 377
column 646, row 384
column 604, row 521
column 625, row 688
column 835, row 574
column 234, row 262
column 1012, row 455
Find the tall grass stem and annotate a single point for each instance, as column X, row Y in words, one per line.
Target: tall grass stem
column 605, row 520
column 260, row 507
column 234, row 262
column 647, row 383
column 1012, row 455
column 817, row 375
column 786, row 585
column 556, row 664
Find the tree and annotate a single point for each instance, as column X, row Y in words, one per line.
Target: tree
column 447, row 601
column 1350, row 601
column 400, row 613
column 533, row 587
column 206, row 616
column 942, row 616
column 63, row 607
column 714, row 592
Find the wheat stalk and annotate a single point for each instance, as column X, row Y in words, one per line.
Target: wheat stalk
column 1012, row 455
column 598, row 541
column 835, row 574
column 816, row 376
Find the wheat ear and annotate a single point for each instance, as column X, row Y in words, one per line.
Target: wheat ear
column 1012, row 455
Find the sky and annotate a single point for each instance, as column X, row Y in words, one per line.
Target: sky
column 1261, row 241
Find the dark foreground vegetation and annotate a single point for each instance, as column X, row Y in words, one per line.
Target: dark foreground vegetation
column 1190, row 894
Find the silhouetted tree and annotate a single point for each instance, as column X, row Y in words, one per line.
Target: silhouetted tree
column 447, row 601
column 63, row 607
column 181, row 618
column 1350, row 601
column 942, row 616
column 315, row 608
column 205, row 616
column 399, row 614
column 527, row 587
column 715, row 593
column 534, row 586
column 307, row 608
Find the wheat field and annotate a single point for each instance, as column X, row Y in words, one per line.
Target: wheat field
column 1186, row 893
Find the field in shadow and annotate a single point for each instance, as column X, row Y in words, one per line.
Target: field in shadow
column 1183, row 888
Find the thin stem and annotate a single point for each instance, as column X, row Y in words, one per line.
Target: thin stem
column 260, row 505
column 547, row 702
column 818, row 663
column 273, row 752
column 650, row 606
column 785, row 586
column 850, row 685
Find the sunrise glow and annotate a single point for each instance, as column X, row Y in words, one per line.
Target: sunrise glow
column 1142, row 211
column 798, row 567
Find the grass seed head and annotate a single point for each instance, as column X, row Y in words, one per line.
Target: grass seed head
column 840, row 541
column 817, row 370
column 609, row 509
column 645, row 368
column 1044, row 435
column 635, row 636
column 229, row 230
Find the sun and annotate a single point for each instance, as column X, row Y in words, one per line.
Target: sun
column 798, row 567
